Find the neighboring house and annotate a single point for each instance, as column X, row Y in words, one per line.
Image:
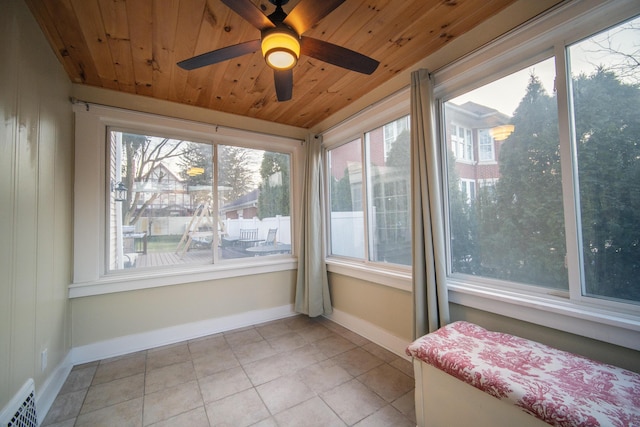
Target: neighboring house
column 469, row 134
column 243, row 207
column 171, row 193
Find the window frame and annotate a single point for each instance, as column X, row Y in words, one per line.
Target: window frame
column 545, row 37
column 486, row 140
column 386, row 111
column 91, row 155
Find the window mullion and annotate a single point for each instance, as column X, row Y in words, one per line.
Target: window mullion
column 366, row 177
column 568, row 163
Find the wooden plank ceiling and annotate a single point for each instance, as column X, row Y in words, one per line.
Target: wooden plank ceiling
column 133, row 47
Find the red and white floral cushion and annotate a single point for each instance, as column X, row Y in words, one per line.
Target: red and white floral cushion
column 558, row 387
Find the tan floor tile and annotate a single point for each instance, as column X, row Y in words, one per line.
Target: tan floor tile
column 68, row 423
column 273, row 329
column 357, row 361
column 170, row 402
column 65, row 406
column 407, row 405
column 111, row 393
column 169, row 376
column 305, row 356
column 167, row 355
column 352, row 401
column 86, row 365
column 223, row 384
column 79, row 379
column 215, row 361
column 333, row 345
column 314, row 332
column 119, row 367
column 312, row 413
column 243, row 337
column 267, row 422
column 125, row 414
column 404, row 365
column 250, row 352
column 239, row 410
column 202, row 346
column 385, row 417
column 301, row 321
column 268, row 369
column 283, row 393
column 323, row 376
column 387, row 382
column 193, row 418
column 265, row 375
column 287, row 342
column 380, row 352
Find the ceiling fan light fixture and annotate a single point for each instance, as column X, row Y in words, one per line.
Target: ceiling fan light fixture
column 281, row 48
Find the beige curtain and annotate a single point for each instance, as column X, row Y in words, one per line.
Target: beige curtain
column 431, row 303
column 312, row 290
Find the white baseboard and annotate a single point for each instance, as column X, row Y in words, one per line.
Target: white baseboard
column 372, row 332
column 173, row 334
column 46, row 394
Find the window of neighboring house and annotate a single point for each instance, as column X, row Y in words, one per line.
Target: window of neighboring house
column 468, row 190
column 462, row 142
column 370, row 205
column 181, row 207
column 486, row 151
column 559, row 217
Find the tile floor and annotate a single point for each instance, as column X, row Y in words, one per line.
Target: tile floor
column 297, row 371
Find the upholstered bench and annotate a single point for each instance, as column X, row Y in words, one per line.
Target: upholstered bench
column 468, row 376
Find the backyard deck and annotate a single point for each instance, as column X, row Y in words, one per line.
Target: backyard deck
column 194, row 256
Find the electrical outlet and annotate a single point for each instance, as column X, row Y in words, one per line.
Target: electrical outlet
column 43, row 360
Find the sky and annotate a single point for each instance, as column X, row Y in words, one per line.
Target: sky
column 585, row 56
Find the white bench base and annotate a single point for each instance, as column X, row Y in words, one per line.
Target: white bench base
column 445, row 401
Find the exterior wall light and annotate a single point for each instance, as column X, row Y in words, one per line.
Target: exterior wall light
column 120, row 192
column 500, row 133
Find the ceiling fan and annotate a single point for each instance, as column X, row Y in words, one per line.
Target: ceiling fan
column 282, row 42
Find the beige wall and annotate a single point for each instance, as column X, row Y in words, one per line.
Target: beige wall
column 103, row 317
column 388, row 308
column 36, row 163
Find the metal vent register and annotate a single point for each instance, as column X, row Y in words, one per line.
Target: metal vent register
column 21, row 410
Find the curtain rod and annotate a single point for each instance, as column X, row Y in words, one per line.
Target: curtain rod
column 87, row 104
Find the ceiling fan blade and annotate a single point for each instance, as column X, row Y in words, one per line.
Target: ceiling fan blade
column 337, row 55
column 284, row 84
column 250, row 12
column 220, row 55
column 308, row 12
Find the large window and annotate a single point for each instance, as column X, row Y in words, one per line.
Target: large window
column 172, row 204
column 369, row 181
column 561, row 216
column 514, row 232
column 605, row 95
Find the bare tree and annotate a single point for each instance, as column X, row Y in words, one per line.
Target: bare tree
column 142, row 157
column 621, row 48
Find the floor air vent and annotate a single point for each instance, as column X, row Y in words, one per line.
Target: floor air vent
column 21, row 410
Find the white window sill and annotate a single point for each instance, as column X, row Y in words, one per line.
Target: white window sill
column 555, row 312
column 395, row 278
column 177, row 276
